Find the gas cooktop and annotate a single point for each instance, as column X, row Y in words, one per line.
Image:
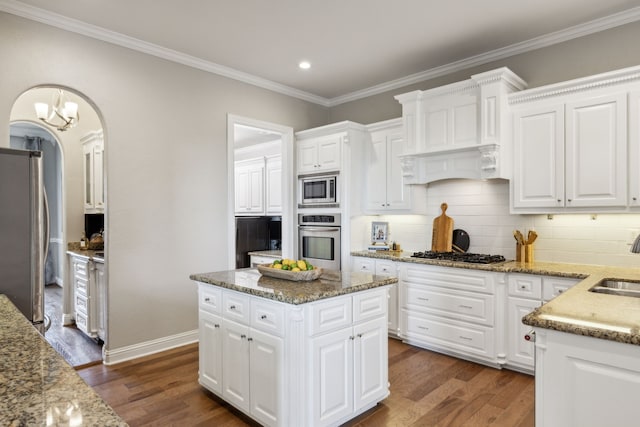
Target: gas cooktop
column 460, row 257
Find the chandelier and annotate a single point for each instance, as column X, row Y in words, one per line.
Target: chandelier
column 64, row 114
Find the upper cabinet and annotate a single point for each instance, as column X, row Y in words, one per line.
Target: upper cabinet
column 93, row 176
column 258, row 186
column 576, row 145
column 273, row 185
column 459, row 130
column 319, row 154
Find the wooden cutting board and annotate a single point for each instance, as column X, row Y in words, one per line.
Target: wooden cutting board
column 442, row 238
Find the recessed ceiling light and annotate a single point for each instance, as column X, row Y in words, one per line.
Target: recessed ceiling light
column 305, row 65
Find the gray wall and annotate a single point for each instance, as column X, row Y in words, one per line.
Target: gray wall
column 597, row 53
column 165, row 142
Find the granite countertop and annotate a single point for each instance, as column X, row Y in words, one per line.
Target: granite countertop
column 36, row 382
column 270, row 253
column 577, row 310
column 329, row 284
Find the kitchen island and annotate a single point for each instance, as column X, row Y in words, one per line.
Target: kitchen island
column 290, row 353
column 37, row 386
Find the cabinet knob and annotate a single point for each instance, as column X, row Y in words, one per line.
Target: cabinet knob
column 569, row 200
column 264, row 316
column 382, row 205
column 359, row 335
column 233, row 307
column 559, row 200
column 249, row 339
column 207, row 299
column 243, row 336
column 216, row 326
column 634, row 198
column 352, row 338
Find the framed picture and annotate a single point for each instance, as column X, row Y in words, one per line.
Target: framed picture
column 379, row 232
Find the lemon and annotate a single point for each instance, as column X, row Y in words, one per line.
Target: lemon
column 295, row 269
column 277, row 266
column 302, row 265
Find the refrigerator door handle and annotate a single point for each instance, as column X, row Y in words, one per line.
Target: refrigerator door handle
column 46, row 224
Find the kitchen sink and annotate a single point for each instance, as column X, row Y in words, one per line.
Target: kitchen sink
column 617, row 287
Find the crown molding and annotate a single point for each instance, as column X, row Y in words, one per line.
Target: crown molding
column 591, row 27
column 23, row 10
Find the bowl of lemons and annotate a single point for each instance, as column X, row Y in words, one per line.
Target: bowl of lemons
column 290, row 269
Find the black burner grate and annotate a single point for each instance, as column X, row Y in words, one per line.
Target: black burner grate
column 460, row 257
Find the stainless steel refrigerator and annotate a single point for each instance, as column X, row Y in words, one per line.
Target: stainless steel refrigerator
column 23, row 230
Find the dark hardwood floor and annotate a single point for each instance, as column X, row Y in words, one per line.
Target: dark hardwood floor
column 72, row 344
column 427, row 389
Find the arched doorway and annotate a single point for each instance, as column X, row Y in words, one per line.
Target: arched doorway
column 64, row 173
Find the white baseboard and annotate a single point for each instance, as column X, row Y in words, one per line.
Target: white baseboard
column 118, row 355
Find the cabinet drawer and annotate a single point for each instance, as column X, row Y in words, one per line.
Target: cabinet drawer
column 82, row 304
column 386, row 268
column 210, row 299
column 81, row 322
column 554, row 286
column 329, row 315
column 365, row 265
column 453, row 278
column 235, row 306
column 445, row 333
column 82, row 286
column 468, row 306
column 525, row 286
column 367, row 305
column 81, row 269
column 267, row 316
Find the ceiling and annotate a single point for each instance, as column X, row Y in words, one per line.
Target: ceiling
column 356, row 47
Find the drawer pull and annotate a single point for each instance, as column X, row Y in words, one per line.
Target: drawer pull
column 359, row 335
column 466, row 338
column 216, row 325
column 243, row 336
column 423, row 299
column 264, row 316
column 468, row 307
column 423, row 327
column 233, row 307
column 249, row 339
column 352, row 338
column 560, row 291
column 523, row 287
column 207, row 299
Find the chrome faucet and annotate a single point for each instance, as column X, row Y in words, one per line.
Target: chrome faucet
column 635, row 248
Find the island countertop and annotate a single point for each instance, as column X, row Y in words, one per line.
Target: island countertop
column 329, row 284
column 36, row 382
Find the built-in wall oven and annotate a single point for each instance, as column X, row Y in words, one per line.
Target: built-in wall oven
column 319, row 239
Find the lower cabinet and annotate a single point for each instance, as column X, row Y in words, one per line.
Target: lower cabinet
column 89, row 295
column 101, row 304
column 585, row 381
column 319, row 364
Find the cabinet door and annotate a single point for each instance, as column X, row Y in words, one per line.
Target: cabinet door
column 371, row 364
column 266, row 377
column 596, row 152
column 210, row 355
column 520, row 351
column 256, row 189
column 538, row 173
column 331, row 377
column 376, row 177
column 89, row 200
column 235, row 364
column 634, row 148
column 242, row 188
column 307, row 156
column 398, row 194
column 273, row 185
column 98, row 177
column 329, row 152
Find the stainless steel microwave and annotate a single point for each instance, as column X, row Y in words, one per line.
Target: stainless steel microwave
column 318, row 190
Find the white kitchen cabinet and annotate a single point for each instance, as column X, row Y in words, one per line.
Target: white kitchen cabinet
column 335, row 351
column 450, row 310
column 382, row 267
column 385, row 186
column 319, row 154
column 249, row 187
column 263, row 259
column 101, row 305
column 634, row 149
column 570, row 150
column 273, row 185
column 93, row 175
column 87, row 300
column 349, row 367
column 526, row 292
column 585, row 381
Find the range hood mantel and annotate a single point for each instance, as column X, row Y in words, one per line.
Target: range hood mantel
column 461, row 130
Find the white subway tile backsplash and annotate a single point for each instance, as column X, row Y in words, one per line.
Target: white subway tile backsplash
column 482, row 209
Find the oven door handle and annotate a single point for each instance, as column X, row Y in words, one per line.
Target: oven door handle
column 304, row 228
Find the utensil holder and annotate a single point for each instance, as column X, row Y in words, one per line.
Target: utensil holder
column 524, row 253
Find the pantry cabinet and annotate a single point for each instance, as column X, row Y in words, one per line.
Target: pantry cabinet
column 93, row 172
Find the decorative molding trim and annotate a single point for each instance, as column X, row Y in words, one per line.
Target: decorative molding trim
column 384, row 124
column 343, row 126
column 146, row 348
column 612, row 78
column 18, row 8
